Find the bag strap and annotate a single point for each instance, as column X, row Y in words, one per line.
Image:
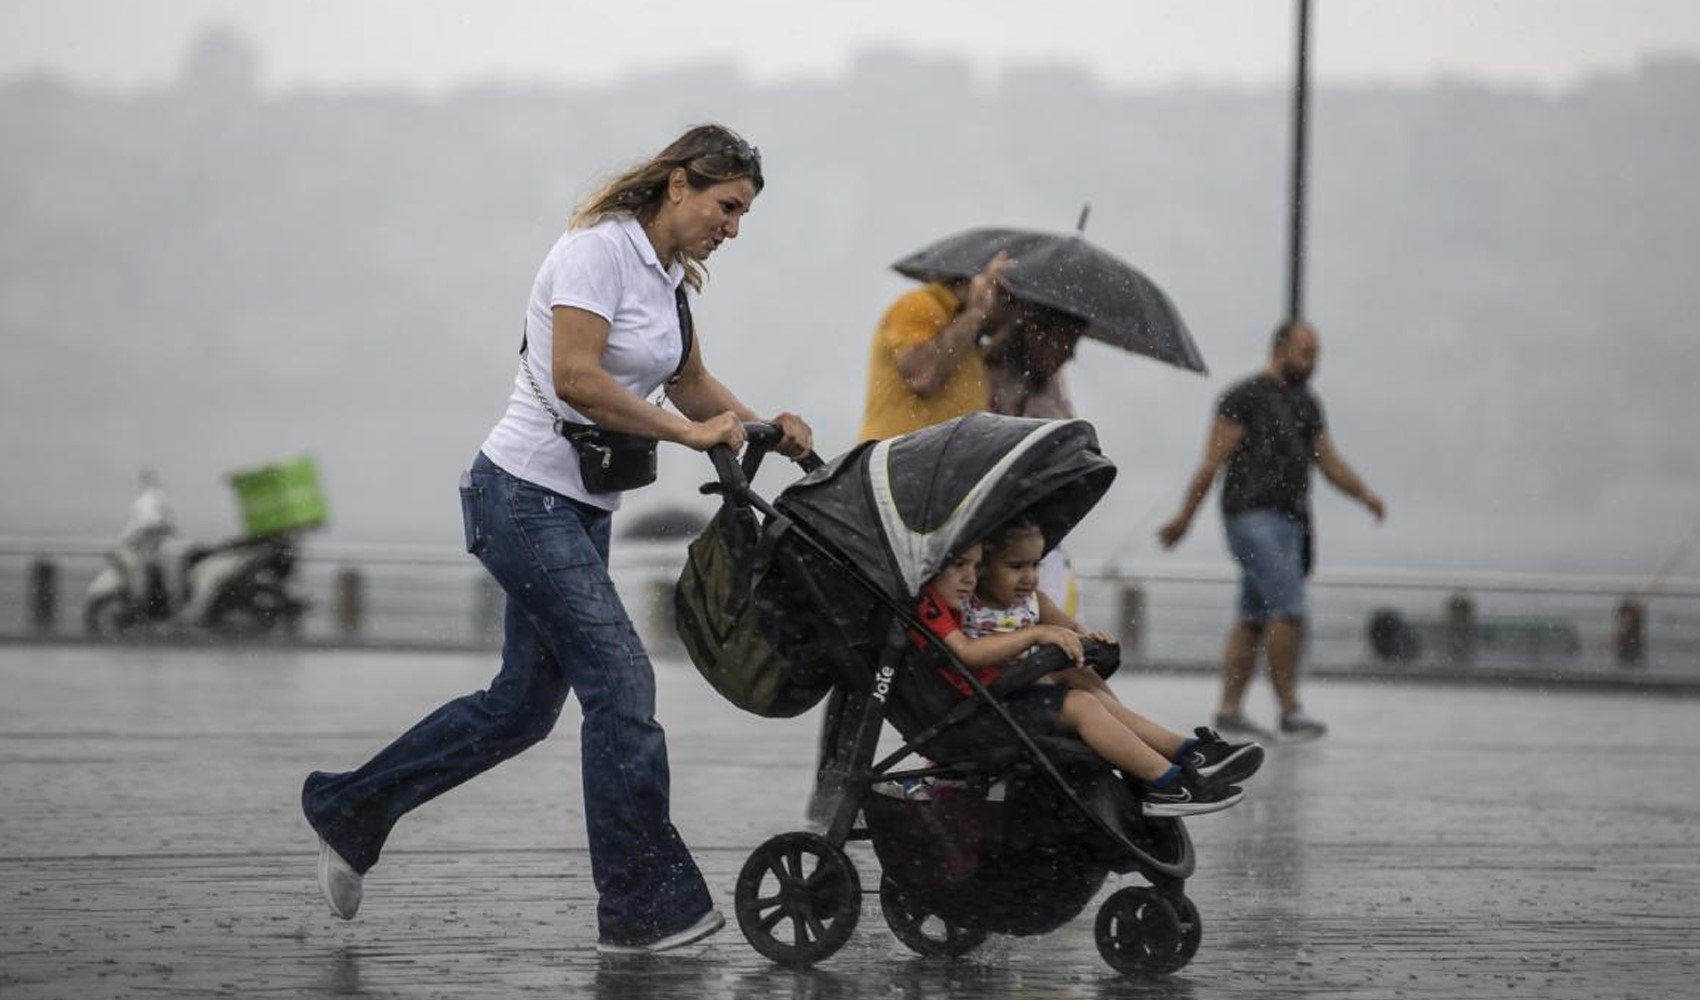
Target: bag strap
column 687, row 332
column 687, row 339
column 537, row 390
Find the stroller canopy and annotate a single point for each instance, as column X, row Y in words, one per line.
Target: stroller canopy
column 899, row 508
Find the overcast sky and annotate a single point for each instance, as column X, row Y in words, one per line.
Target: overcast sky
column 433, row 44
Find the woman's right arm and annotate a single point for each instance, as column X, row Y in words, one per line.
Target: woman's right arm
column 580, row 337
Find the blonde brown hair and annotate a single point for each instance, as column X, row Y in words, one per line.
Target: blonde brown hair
column 709, row 155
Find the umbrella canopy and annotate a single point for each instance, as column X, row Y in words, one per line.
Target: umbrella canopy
column 899, row 508
column 1064, row 272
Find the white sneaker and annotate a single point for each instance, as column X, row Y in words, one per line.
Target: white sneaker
column 339, row 882
column 711, row 922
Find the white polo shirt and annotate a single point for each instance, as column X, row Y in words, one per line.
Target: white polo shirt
column 609, row 269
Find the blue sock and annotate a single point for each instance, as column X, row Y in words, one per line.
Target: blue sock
column 1187, row 746
column 1167, row 778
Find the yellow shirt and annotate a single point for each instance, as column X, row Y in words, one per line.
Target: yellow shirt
column 892, row 408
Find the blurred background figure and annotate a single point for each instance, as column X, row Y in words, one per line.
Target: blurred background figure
column 1268, row 432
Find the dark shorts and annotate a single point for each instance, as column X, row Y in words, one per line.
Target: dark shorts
column 1036, row 707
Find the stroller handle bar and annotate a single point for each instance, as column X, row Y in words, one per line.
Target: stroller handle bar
column 760, row 437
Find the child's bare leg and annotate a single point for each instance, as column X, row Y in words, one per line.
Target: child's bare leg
column 1104, row 733
column 1160, row 738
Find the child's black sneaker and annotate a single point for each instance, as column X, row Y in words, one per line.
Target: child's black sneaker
column 1214, row 757
column 1187, row 795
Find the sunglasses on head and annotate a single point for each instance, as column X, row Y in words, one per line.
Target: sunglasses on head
column 736, row 157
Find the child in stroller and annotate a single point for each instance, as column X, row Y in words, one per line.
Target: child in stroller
column 1171, row 775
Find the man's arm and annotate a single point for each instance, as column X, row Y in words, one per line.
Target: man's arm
column 1225, row 436
column 928, row 365
column 1338, row 473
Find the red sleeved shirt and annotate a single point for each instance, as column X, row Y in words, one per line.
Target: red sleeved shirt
column 941, row 620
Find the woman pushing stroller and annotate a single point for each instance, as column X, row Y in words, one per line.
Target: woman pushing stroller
column 985, row 605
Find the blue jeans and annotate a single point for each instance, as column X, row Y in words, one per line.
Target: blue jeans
column 565, row 630
column 1269, row 546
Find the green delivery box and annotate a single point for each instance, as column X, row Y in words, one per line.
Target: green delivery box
column 279, row 498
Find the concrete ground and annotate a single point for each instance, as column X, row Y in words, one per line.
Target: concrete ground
column 1442, row 842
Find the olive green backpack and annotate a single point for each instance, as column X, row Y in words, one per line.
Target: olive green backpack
column 716, row 608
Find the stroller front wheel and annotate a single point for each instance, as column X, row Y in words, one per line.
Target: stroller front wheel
column 797, row 899
column 1141, row 931
column 922, row 930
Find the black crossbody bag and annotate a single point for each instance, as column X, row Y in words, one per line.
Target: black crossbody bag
column 614, row 461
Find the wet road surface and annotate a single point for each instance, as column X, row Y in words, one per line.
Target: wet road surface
column 1442, row 842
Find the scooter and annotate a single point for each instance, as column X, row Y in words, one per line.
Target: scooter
column 238, row 588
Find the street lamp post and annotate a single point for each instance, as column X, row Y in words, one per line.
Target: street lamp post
column 1296, row 213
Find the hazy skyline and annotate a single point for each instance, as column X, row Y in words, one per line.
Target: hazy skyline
column 275, row 254
column 435, row 45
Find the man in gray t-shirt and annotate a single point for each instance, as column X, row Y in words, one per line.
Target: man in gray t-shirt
column 1268, row 432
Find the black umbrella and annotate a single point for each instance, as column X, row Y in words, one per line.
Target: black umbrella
column 1064, row 272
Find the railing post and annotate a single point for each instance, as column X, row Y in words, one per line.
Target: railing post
column 1629, row 637
column 659, row 613
column 487, row 607
column 1460, row 628
column 350, row 601
column 1130, row 615
column 44, row 595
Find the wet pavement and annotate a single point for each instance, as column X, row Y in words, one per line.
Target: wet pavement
column 1443, row 842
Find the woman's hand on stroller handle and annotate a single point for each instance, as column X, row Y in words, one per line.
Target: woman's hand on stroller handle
column 785, row 431
column 796, row 438
column 724, row 429
column 787, row 434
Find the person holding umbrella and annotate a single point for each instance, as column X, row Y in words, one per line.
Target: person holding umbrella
column 925, row 364
column 1001, row 312
column 1020, row 300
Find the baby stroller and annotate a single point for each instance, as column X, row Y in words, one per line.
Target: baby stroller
column 990, row 829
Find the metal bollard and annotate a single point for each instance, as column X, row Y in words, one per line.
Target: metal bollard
column 1130, row 615
column 44, row 596
column 1629, row 636
column 350, row 602
column 659, row 628
column 487, row 607
column 1460, row 628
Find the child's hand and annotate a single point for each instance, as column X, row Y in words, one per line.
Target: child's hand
column 1063, row 639
column 1103, row 637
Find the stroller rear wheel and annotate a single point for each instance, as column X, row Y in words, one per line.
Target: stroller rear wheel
column 1141, row 931
column 918, row 926
column 798, row 899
